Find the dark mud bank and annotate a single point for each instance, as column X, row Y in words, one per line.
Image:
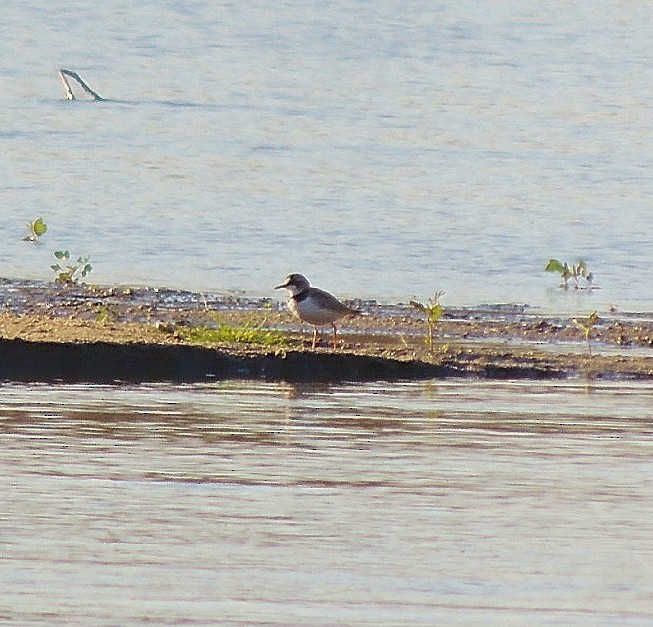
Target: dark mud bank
column 106, row 362
column 102, row 362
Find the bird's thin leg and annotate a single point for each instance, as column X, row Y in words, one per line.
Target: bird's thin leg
column 335, row 331
column 314, row 337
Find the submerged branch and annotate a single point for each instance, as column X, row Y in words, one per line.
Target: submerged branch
column 63, row 73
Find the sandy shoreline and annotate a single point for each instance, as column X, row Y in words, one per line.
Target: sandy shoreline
column 89, row 334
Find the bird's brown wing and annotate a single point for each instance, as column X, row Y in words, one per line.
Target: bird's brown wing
column 329, row 301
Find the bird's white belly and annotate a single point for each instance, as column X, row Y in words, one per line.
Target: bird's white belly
column 311, row 312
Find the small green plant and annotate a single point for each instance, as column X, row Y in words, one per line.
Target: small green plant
column 575, row 273
column 247, row 332
column 36, row 228
column 105, row 314
column 586, row 325
column 69, row 273
column 433, row 311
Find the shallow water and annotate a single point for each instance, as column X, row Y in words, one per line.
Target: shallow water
column 448, row 502
column 386, row 151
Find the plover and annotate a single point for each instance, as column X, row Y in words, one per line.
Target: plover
column 313, row 305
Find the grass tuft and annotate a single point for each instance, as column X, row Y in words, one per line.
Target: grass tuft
column 246, row 333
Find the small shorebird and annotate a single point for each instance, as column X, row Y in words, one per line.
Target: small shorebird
column 313, row 305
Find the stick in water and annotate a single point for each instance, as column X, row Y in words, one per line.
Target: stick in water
column 66, row 85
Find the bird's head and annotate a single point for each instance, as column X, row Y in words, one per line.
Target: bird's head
column 294, row 283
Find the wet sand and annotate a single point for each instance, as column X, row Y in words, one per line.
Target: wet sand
column 90, row 334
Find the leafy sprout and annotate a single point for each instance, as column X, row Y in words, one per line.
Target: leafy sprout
column 433, row 311
column 69, row 273
column 574, row 272
column 586, row 325
column 36, row 228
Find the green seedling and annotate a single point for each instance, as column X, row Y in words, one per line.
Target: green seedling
column 575, row 273
column 433, row 311
column 586, row 325
column 70, row 273
column 36, row 229
column 105, row 314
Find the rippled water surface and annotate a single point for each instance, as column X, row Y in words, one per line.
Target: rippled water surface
column 423, row 503
column 386, row 150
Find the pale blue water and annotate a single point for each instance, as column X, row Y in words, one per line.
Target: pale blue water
column 237, row 503
column 385, row 150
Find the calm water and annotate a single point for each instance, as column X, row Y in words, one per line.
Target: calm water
column 431, row 503
column 386, row 150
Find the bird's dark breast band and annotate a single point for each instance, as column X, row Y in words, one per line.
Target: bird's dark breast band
column 303, row 295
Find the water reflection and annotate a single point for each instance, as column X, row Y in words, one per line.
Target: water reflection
column 404, row 503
